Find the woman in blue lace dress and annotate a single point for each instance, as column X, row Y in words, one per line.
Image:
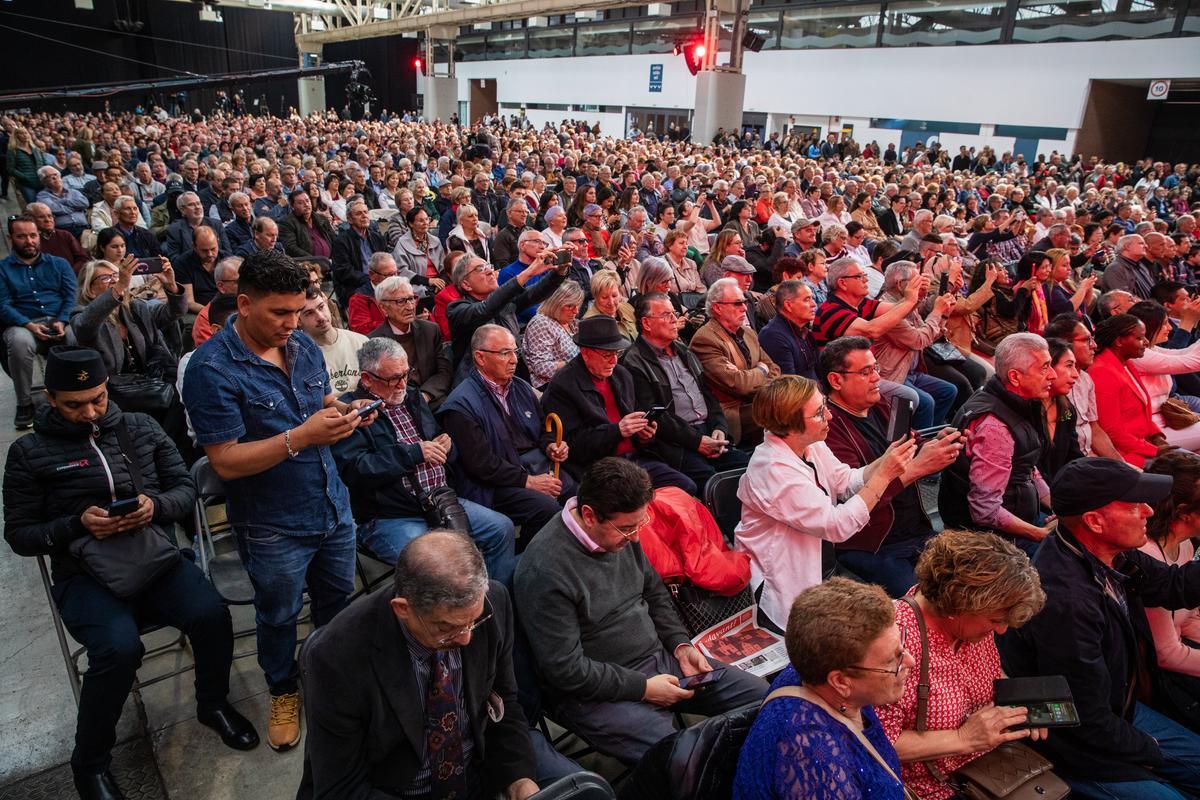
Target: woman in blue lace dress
column 817, row 736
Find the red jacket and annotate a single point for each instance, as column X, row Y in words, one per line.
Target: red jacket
column 1123, row 404
column 442, row 301
column 682, row 541
column 365, row 313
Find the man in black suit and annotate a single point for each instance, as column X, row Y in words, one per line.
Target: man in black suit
column 352, row 249
column 381, row 668
column 889, row 221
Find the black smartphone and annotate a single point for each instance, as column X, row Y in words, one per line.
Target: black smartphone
column 562, row 258
column 701, row 680
column 148, row 266
column 1086, row 271
column 120, row 508
column 625, row 240
column 366, row 410
column 900, row 419
column 1047, row 697
column 943, row 283
column 654, row 412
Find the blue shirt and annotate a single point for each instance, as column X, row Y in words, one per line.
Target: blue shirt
column 45, row 288
column 232, row 394
column 513, row 270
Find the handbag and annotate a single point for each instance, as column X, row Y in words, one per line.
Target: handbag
column 700, row 609
column 944, row 353
column 126, row 562
column 441, row 507
column 1176, row 414
column 1009, row 772
column 139, row 392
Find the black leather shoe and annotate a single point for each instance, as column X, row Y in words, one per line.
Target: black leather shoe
column 235, row 730
column 97, row 786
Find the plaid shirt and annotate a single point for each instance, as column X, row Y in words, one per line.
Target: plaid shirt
column 429, row 476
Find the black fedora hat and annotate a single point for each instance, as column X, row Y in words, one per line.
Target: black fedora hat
column 601, row 333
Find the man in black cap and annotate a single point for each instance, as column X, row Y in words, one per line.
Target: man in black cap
column 1093, row 630
column 84, row 457
column 593, row 396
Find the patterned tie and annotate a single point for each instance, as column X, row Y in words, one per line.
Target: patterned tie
column 447, row 780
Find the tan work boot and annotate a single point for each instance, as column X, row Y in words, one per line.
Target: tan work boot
column 283, row 726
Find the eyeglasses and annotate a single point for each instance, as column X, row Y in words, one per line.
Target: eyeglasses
column 482, row 269
column 899, row 659
column 865, row 372
column 821, row 412
column 861, row 275
column 729, row 302
column 447, row 639
column 391, row 380
column 629, row 533
column 104, row 279
column 504, row 353
column 401, row 301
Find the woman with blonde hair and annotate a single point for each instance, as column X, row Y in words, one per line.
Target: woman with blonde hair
column 548, row 342
column 469, row 234
column 796, row 494
column 607, row 300
column 971, row 586
column 24, row 160
column 728, row 243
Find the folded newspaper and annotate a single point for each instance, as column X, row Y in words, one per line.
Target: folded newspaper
column 739, row 642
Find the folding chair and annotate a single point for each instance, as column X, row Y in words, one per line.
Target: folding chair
column 71, row 657
column 369, row 584
column 224, row 570
column 720, row 495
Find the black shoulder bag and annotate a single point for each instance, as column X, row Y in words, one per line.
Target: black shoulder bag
column 126, row 562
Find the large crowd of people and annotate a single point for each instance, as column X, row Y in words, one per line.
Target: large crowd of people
column 491, row 355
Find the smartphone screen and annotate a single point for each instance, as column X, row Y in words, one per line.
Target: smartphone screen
column 148, row 266
column 1051, row 714
column 700, row 680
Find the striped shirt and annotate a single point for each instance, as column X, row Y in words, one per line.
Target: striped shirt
column 835, row 316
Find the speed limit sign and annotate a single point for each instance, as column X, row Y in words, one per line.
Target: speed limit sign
column 1158, row 90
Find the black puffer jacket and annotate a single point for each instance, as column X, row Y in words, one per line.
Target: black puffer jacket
column 54, row 474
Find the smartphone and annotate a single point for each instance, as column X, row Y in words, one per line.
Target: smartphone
column 148, row 266
column 943, row 283
column 625, row 240
column 367, row 410
column 1047, row 697
column 1086, row 271
column 120, row 508
column 562, row 258
column 701, row 680
column 654, row 412
column 900, row 419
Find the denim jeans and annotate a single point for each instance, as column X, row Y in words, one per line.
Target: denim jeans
column 493, row 533
column 941, row 392
column 280, row 564
column 892, row 566
column 1180, row 775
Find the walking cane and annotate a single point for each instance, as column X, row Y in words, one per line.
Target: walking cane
column 555, row 424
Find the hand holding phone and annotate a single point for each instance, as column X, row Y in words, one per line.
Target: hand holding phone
column 654, row 412
column 120, row 508
column 369, row 409
column 701, row 680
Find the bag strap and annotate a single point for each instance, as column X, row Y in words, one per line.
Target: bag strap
column 923, row 685
column 815, row 699
column 131, row 456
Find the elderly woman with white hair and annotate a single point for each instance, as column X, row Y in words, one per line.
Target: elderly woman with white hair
column 470, row 234
column 556, row 223
column 548, row 342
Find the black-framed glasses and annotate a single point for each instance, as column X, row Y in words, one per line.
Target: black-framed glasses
column 447, row 639
column 865, row 372
column 401, row 301
column 894, row 672
column 391, row 380
column 729, row 302
column 504, row 352
column 860, row 275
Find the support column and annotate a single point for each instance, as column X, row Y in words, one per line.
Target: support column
column 719, row 100
column 311, row 91
column 441, row 97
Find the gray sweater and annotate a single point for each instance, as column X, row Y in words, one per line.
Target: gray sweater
column 591, row 617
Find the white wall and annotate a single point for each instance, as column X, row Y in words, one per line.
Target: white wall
column 1037, row 84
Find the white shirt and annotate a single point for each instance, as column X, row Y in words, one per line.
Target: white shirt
column 341, row 359
column 1157, row 366
column 786, row 514
column 1083, row 397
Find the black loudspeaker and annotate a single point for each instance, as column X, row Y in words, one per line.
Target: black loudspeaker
column 753, row 42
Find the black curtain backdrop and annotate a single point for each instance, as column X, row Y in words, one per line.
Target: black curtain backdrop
column 30, row 62
column 393, row 76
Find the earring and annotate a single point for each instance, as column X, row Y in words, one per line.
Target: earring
column 842, row 708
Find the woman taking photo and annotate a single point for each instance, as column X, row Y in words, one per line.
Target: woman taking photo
column 1032, row 310
column 817, row 736
column 970, row 587
column 796, row 494
column 548, row 342
column 622, row 249
column 1063, row 298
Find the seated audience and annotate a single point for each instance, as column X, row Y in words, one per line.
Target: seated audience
column 303, row 232
column 180, row 235
column 1122, row 399
column 548, row 342
column 1157, row 367
column 787, row 339
column 1129, row 271
column 420, row 252
column 1093, row 441
column 685, row 276
column 970, row 586
column 885, row 551
column 239, row 228
column 796, row 493
column 1029, row 297
column 735, row 365
column 37, row 293
column 197, row 269
column 339, row 347
column 607, row 300
column 394, row 467
column 62, row 513
column 1062, row 441
column 817, row 735
column 995, row 484
column 265, row 236
column 606, row 639
column 495, row 417
column 470, row 235
column 226, row 274
column 593, row 397
column 1093, row 630
column 138, row 239
column 55, row 242
column 351, row 250
column 428, row 358
column 363, row 309
column 437, row 647
column 68, row 206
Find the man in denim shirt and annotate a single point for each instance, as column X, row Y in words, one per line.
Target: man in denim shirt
column 259, row 398
column 37, row 292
